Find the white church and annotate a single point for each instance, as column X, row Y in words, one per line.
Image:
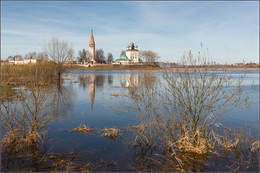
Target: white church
column 131, row 55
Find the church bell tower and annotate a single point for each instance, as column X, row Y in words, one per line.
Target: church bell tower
column 91, row 49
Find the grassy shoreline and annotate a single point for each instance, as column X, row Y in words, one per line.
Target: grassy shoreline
column 153, row 68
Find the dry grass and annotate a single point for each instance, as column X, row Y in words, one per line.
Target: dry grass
column 115, row 95
column 111, row 133
column 83, row 129
column 13, row 142
column 187, row 144
column 27, row 150
column 68, row 163
column 42, row 73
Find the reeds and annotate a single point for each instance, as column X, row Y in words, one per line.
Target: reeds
column 42, row 73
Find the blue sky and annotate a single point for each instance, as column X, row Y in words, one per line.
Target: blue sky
column 230, row 30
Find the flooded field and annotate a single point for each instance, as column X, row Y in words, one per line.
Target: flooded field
column 95, row 129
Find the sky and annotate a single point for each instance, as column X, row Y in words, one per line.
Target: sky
column 229, row 30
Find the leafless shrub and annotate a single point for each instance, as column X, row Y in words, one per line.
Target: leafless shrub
column 24, row 120
column 178, row 112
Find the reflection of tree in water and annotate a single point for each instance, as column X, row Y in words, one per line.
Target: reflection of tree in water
column 144, row 158
column 110, row 79
column 64, row 100
column 148, row 80
column 24, row 122
column 83, row 80
column 100, row 80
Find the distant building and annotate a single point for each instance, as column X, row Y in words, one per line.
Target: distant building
column 91, row 49
column 168, row 65
column 132, row 53
column 32, row 61
column 122, row 60
column 17, row 60
column 11, row 60
column 251, row 63
column 70, row 61
column 239, row 64
column 18, row 57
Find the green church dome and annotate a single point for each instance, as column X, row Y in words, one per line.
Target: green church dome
column 123, row 57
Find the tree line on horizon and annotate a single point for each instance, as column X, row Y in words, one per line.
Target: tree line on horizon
column 67, row 53
column 99, row 56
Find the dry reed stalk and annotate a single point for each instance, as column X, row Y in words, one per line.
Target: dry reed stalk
column 227, row 141
column 140, row 128
column 254, row 146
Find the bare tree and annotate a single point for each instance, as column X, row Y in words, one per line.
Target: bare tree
column 31, row 55
column 150, row 56
column 83, row 56
column 43, row 56
column 59, row 52
column 10, row 58
column 109, row 58
column 80, row 58
column 122, row 53
column 100, row 57
column 71, row 54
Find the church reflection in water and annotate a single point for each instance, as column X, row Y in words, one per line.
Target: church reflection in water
column 91, row 89
column 129, row 81
column 94, row 81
